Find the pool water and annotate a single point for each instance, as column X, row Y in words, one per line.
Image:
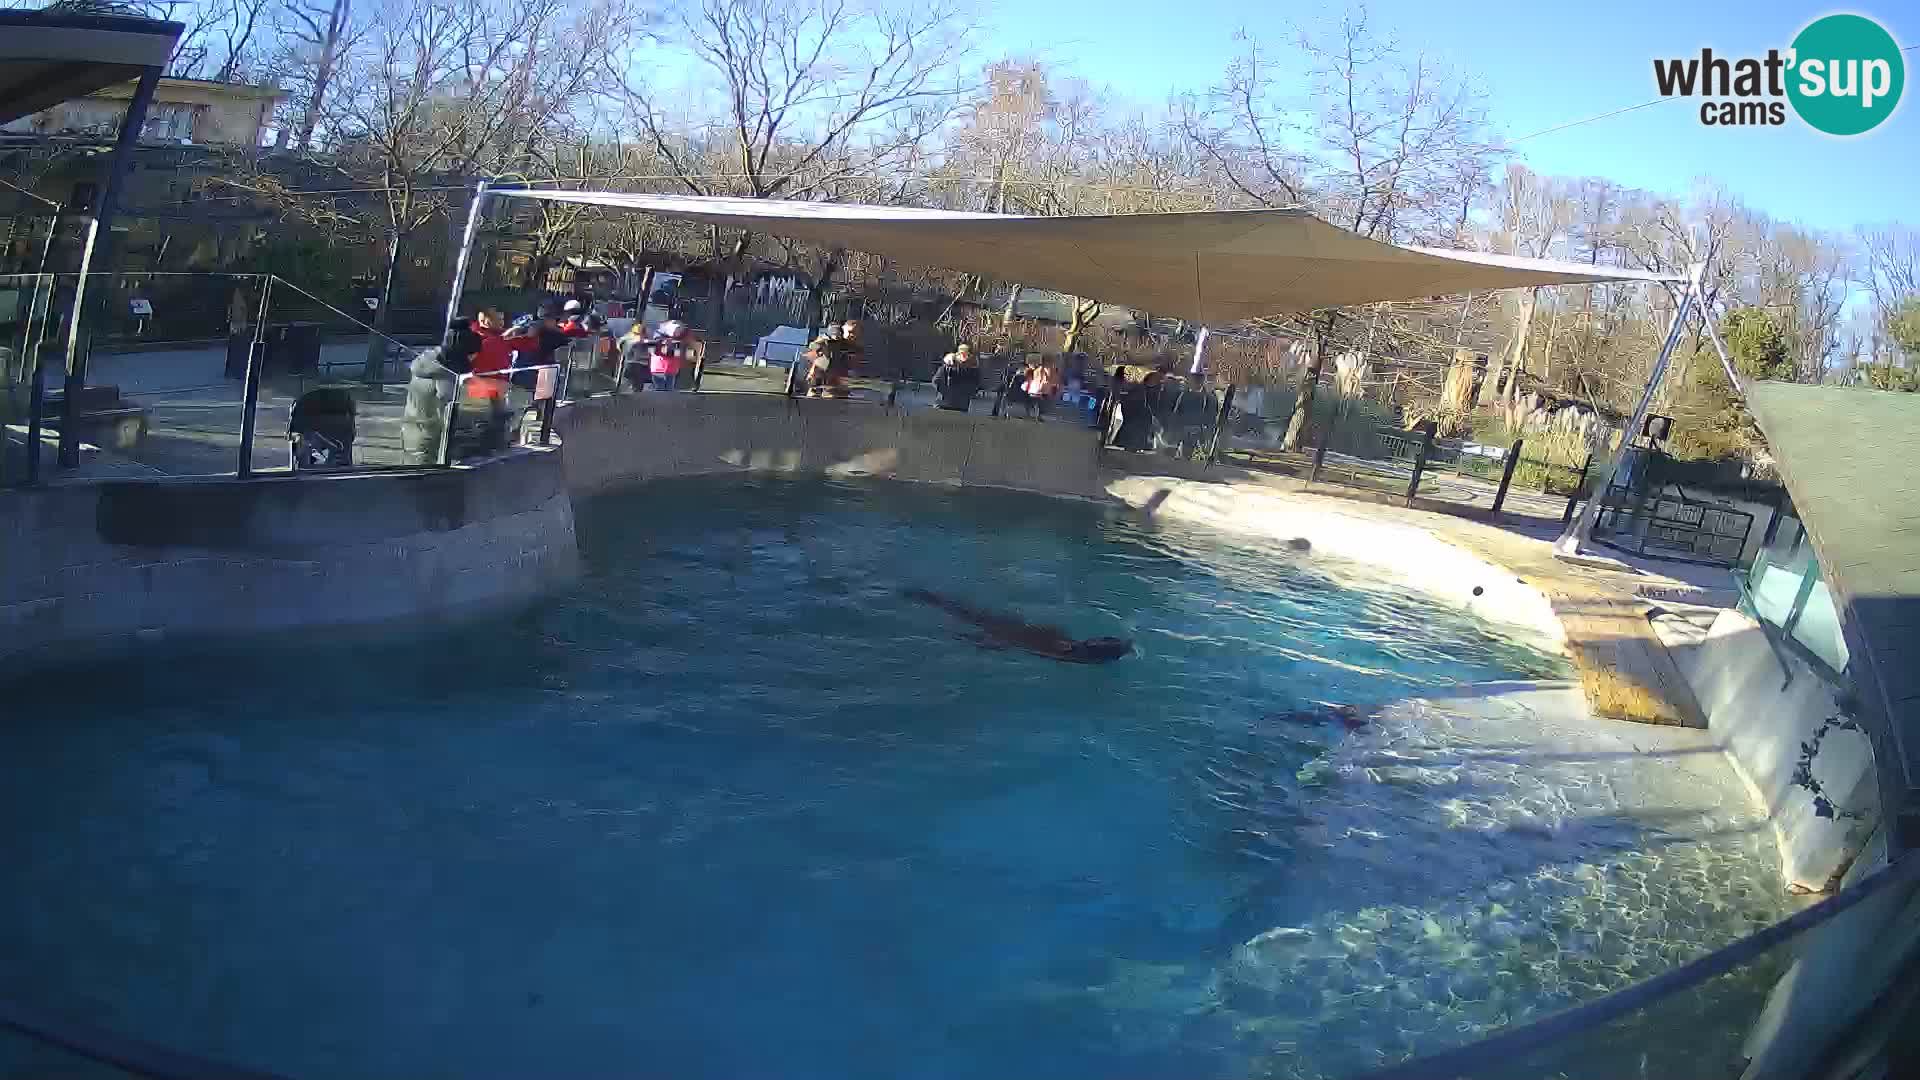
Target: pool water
column 737, row 807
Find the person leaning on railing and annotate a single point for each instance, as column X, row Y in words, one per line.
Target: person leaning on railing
column 434, row 380
column 833, row 359
column 958, row 379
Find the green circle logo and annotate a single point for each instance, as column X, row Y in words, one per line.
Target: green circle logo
column 1846, row 75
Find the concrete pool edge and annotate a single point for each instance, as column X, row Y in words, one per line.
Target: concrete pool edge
column 97, row 568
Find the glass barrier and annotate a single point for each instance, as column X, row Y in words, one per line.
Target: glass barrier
column 24, row 325
column 333, row 392
column 1785, row 589
column 158, row 396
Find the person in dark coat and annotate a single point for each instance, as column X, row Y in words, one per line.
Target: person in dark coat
column 958, row 379
column 1138, row 424
column 433, row 382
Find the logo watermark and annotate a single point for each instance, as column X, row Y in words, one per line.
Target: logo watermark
column 1842, row 75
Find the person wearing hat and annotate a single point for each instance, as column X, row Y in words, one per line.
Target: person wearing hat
column 536, row 340
column 573, row 319
column 834, row 357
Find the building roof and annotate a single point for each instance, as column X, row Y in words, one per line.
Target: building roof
column 1850, row 457
column 47, row 58
column 1214, row 267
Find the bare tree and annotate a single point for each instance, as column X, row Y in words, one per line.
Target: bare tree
column 428, row 94
column 316, row 33
column 1395, row 146
column 812, row 94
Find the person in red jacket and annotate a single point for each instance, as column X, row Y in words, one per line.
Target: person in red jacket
column 496, row 353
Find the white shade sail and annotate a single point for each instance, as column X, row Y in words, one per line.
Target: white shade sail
column 1212, row 267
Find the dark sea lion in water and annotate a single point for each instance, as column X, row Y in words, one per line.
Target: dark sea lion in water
column 1006, row 631
column 1346, row 715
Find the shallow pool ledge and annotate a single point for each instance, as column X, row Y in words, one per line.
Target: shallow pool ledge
column 1404, row 553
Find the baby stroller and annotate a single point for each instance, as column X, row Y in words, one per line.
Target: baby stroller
column 320, row 430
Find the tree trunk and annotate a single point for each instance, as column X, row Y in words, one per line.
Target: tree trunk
column 1546, row 359
column 1084, row 312
column 1528, row 305
column 1309, row 382
column 1006, row 317
column 382, row 315
column 817, row 295
column 323, row 72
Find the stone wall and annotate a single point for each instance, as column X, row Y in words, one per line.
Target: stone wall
column 89, row 566
column 615, row 440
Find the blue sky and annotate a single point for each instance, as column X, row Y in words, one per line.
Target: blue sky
column 1542, row 64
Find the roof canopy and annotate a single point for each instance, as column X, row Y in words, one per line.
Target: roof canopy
column 1213, row 267
column 50, row 57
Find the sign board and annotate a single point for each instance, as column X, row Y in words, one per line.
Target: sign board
column 142, row 307
column 372, row 302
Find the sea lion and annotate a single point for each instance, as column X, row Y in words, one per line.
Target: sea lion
column 1001, row 631
column 1347, row 716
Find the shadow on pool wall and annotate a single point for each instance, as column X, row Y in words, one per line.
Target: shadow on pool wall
column 615, row 440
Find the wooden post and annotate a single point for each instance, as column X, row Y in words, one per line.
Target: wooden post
column 1420, row 462
column 1506, row 475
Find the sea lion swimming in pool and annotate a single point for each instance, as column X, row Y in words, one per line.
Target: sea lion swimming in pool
column 1003, row 631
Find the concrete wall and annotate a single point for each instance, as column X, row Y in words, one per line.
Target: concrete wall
column 614, row 440
column 101, row 564
column 1763, row 705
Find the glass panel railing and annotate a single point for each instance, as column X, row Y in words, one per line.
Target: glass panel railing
column 1818, row 626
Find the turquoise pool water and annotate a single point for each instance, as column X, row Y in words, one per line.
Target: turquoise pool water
column 737, row 808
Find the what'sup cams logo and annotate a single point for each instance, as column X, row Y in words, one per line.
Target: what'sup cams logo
column 1843, row 75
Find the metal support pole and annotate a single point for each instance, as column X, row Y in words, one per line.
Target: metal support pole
column 101, row 222
column 1582, row 528
column 476, row 212
column 1000, row 396
column 547, row 409
column 1420, row 462
column 256, row 367
column 38, row 316
column 1506, row 475
column 448, row 413
column 1220, row 425
column 1199, row 353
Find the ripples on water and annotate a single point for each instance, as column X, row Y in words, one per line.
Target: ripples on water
column 736, row 808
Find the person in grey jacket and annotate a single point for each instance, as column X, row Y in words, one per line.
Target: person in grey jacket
column 435, row 380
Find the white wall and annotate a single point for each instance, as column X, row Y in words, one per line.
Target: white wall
column 1763, row 706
